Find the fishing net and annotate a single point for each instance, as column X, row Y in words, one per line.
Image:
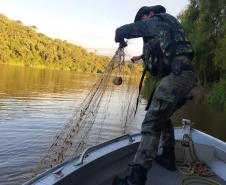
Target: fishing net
column 72, row 138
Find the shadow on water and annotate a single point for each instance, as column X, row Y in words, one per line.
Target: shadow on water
column 205, row 117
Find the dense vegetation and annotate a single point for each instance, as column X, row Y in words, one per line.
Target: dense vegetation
column 205, row 23
column 25, row 46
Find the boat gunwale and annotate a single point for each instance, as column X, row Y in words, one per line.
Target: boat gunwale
column 76, row 161
column 92, row 149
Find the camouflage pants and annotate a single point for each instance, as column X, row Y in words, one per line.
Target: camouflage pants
column 171, row 90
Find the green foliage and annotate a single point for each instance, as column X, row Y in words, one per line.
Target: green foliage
column 217, row 97
column 23, row 45
column 204, row 21
column 220, row 57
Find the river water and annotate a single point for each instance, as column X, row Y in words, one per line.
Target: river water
column 36, row 103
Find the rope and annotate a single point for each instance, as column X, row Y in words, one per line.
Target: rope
column 197, row 179
column 194, row 170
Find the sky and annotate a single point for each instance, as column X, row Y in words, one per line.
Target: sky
column 88, row 23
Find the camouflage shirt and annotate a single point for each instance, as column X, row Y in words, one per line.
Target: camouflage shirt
column 164, row 27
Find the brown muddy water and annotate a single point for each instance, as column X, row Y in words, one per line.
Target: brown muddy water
column 36, row 103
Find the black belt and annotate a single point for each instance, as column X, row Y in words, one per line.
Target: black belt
column 181, row 63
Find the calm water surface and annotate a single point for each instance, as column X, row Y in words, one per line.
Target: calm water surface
column 36, row 103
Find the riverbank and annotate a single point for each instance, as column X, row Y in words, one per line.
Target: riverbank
column 53, row 66
column 135, row 71
column 24, row 45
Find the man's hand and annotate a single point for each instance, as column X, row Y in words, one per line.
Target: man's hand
column 135, row 58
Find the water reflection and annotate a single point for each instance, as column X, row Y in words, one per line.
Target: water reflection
column 25, row 82
column 204, row 117
column 36, row 103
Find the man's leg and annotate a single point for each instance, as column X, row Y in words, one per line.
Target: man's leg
column 155, row 120
column 167, row 157
column 170, row 90
column 157, row 114
column 167, row 135
column 151, row 129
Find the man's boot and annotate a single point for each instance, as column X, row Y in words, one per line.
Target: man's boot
column 167, row 159
column 134, row 175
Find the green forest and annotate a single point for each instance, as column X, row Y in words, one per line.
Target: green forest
column 205, row 24
column 23, row 45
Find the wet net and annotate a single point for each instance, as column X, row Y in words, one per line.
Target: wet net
column 72, row 138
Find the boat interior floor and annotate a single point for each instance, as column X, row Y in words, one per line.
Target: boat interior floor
column 160, row 176
column 157, row 175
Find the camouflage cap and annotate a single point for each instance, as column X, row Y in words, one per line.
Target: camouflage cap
column 141, row 12
column 145, row 10
column 157, row 9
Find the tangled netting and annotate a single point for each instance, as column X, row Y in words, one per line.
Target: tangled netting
column 72, row 139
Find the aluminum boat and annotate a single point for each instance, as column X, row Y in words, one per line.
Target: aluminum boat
column 98, row 165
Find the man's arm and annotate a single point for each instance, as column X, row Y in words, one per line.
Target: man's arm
column 135, row 30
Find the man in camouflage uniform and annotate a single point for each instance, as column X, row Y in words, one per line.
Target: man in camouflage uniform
column 167, row 53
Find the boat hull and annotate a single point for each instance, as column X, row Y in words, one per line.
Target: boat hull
column 99, row 164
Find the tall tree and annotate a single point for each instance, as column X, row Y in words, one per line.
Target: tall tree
column 204, row 22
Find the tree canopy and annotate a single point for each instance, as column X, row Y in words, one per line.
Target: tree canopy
column 22, row 44
column 205, row 23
